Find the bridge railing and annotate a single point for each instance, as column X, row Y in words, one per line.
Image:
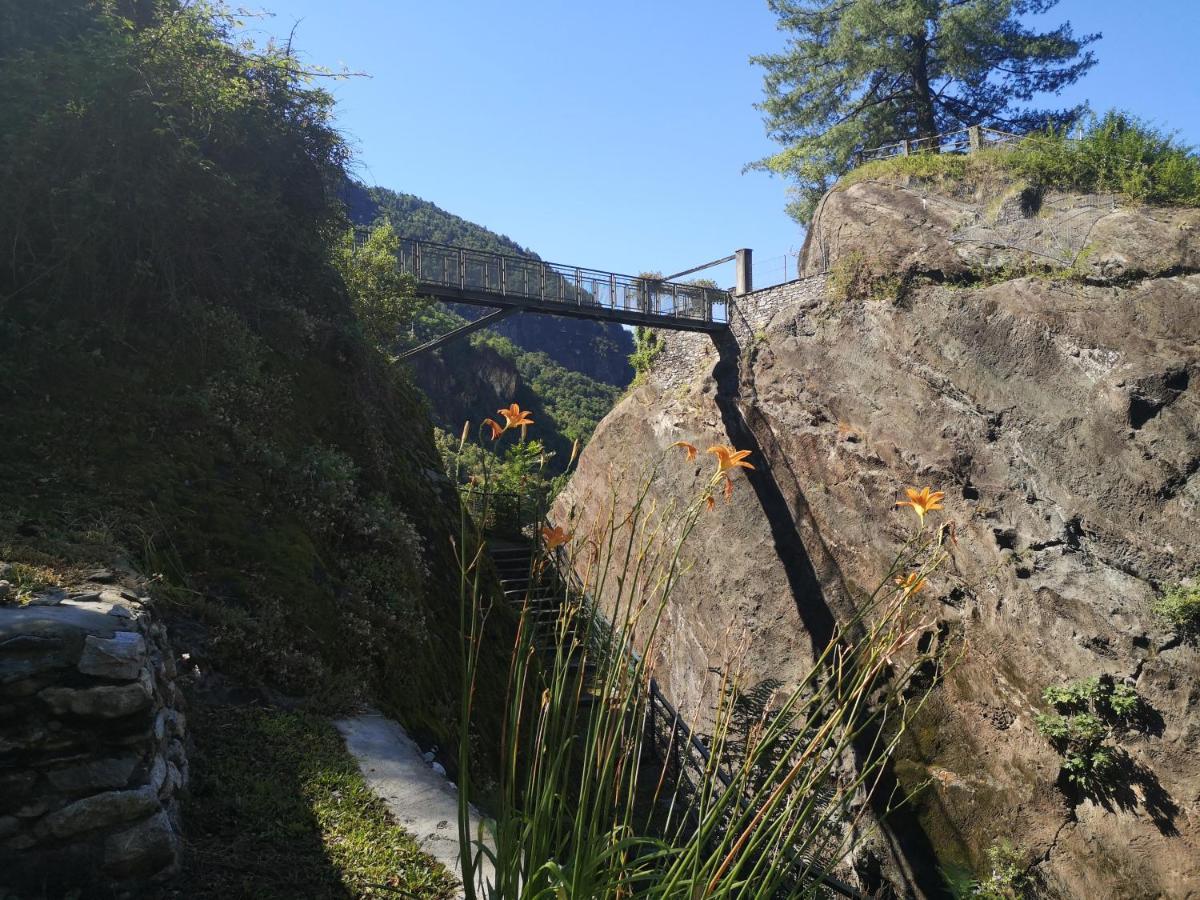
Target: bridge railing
column 553, row 284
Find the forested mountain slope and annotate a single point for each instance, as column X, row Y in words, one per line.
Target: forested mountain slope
column 599, row 350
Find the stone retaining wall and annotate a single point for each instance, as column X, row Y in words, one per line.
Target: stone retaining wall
column 92, row 755
column 686, row 352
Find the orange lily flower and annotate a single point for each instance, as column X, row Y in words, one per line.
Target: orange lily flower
column 554, row 537
column 922, row 501
column 496, row 429
column 912, row 583
column 710, row 502
column 728, row 488
column 728, row 458
column 690, row 449
column 515, row 416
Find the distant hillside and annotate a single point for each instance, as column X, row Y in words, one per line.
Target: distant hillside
column 598, row 350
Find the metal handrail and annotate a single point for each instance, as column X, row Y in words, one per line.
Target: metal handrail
column 502, row 513
column 566, row 573
column 525, row 278
column 961, row 140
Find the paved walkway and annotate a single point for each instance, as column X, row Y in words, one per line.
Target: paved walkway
column 422, row 801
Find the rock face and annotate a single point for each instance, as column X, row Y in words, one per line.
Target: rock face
column 92, row 753
column 1062, row 418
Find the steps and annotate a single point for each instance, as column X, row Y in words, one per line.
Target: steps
column 541, row 591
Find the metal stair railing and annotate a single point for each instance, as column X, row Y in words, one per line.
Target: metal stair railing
column 672, row 720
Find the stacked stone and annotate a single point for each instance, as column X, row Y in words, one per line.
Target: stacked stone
column 92, row 756
column 685, row 353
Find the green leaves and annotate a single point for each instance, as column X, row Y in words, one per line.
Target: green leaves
column 1116, row 153
column 1089, row 711
column 862, row 73
column 1180, row 608
column 384, row 298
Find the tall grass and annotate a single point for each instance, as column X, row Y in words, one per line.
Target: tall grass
column 1116, row 153
column 601, row 797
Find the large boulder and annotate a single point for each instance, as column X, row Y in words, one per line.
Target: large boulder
column 903, row 226
column 1062, row 418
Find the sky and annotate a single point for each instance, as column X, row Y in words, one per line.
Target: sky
column 613, row 134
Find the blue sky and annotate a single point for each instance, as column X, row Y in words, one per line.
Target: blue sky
column 613, row 134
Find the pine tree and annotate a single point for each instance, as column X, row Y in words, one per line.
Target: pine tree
column 857, row 74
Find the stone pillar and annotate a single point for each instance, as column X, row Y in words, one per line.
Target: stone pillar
column 745, row 272
column 974, row 138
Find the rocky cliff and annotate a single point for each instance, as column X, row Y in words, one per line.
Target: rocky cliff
column 1034, row 355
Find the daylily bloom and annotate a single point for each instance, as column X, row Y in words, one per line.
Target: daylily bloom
column 922, row 501
column 728, row 458
column 690, row 449
column 514, row 416
column 912, row 583
column 496, row 429
column 554, row 537
column 728, row 488
column 710, row 502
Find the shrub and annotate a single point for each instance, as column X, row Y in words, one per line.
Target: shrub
column 1180, row 608
column 1117, row 153
column 1007, row 876
column 647, row 344
column 1081, row 729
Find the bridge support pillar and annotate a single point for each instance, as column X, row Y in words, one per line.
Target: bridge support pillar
column 745, row 271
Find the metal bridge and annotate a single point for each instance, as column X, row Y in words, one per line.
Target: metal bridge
column 463, row 275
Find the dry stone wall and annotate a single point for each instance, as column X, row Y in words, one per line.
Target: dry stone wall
column 92, row 752
column 688, row 354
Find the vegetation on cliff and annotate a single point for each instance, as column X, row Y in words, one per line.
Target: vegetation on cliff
column 861, row 74
column 188, row 380
column 1115, row 153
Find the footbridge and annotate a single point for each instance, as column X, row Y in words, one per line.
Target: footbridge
column 516, row 283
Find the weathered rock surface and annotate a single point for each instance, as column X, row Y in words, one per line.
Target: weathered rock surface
column 1062, row 419
column 88, row 722
column 958, row 233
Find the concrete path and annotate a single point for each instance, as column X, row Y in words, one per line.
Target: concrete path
column 422, row 801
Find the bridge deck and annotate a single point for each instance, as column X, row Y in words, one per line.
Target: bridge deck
column 461, row 275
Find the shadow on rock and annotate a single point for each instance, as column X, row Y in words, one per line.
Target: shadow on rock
column 1130, row 787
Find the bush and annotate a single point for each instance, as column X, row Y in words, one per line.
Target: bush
column 1007, row 878
column 1087, row 713
column 1180, row 608
column 1116, row 153
column 647, row 344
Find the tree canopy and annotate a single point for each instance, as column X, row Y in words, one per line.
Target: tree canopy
column 857, row 74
